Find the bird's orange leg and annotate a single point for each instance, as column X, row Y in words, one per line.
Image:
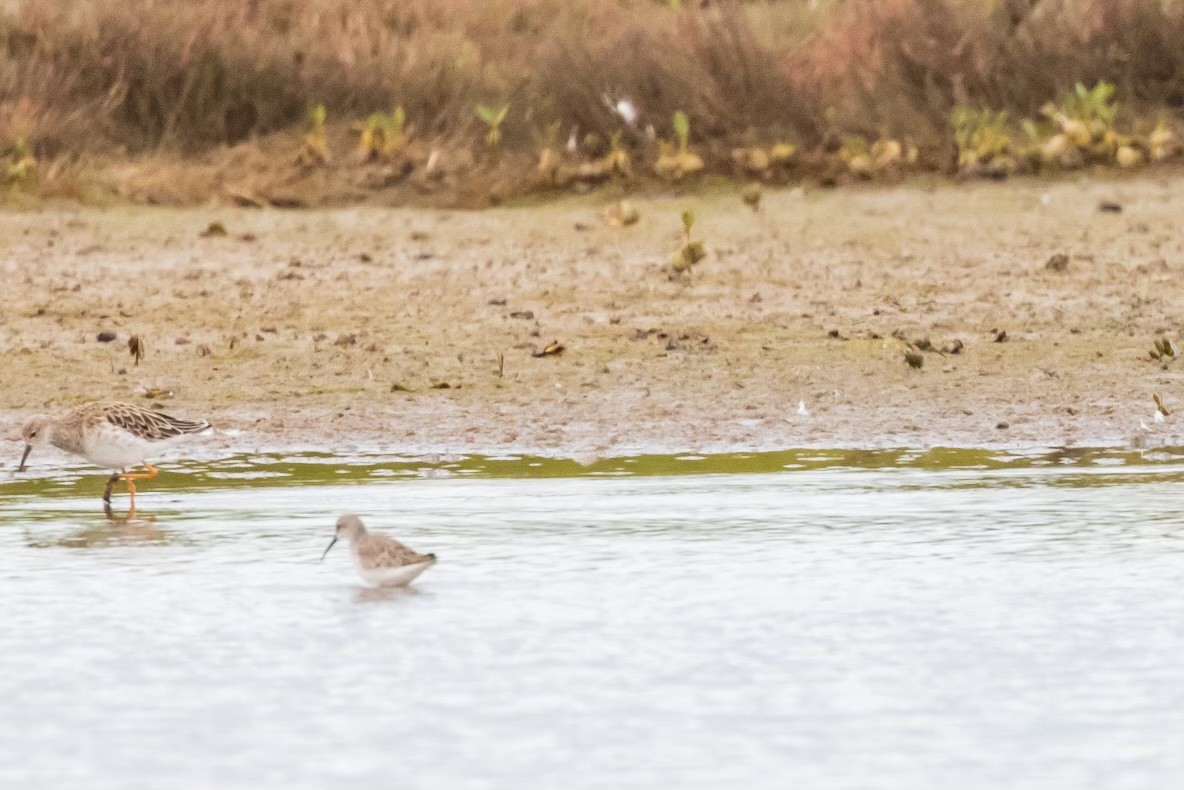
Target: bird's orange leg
column 131, row 486
column 151, row 473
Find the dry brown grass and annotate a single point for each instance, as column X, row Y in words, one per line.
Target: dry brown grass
column 116, row 78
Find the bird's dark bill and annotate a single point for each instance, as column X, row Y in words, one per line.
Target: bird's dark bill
column 25, row 457
column 331, row 544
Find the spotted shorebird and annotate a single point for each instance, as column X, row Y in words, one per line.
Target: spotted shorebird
column 381, row 560
column 110, row 435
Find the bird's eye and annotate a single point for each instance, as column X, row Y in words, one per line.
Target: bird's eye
column 33, row 435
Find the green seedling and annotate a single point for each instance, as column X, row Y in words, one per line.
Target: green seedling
column 677, row 161
column 314, row 147
column 691, row 251
column 493, row 119
column 384, row 136
column 19, row 167
column 981, row 136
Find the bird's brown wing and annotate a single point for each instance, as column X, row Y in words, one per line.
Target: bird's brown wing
column 379, row 551
column 150, row 425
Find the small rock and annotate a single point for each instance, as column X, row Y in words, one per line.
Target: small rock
column 106, row 337
column 1058, row 263
column 1002, row 426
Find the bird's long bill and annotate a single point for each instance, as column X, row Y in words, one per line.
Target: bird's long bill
column 25, row 457
column 329, row 547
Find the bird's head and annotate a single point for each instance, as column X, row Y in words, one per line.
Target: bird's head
column 36, row 433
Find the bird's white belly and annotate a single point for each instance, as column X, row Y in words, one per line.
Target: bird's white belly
column 114, row 448
column 394, row 577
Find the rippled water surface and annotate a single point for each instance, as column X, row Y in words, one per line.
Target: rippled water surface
column 812, row 619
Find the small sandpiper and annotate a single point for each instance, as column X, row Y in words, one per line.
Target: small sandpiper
column 111, row 435
column 381, row 560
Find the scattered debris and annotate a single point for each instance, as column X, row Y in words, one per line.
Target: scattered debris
column 526, row 315
column 497, row 302
column 1164, row 350
column 802, row 410
column 622, row 214
column 501, row 365
column 1110, row 207
column 687, row 256
column 953, row 348
column 203, row 350
column 420, row 235
column 914, row 359
column 1058, row 263
column 1000, row 335
column 551, row 349
column 1002, row 426
column 214, row 229
column 1160, row 410
column 691, row 252
column 344, row 341
column 135, row 347
column 442, row 385
column 106, row 337
column 752, row 196
column 399, row 388
column 157, row 393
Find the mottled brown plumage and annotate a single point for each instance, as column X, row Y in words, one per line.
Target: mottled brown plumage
column 109, row 434
column 379, row 559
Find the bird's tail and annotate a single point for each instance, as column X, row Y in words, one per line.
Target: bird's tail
column 187, row 426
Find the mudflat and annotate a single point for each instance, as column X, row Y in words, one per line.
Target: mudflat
column 423, row 331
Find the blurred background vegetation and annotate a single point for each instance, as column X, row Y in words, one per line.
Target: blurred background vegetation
column 470, row 101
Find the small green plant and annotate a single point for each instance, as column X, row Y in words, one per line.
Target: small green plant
column 1093, row 106
column 1085, row 121
column 383, row 135
column 981, row 136
column 691, row 251
column 314, row 147
column 682, row 129
column 19, row 167
column 856, row 153
column 493, row 119
column 677, row 162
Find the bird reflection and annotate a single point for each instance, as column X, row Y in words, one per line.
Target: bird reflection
column 381, row 594
column 127, row 529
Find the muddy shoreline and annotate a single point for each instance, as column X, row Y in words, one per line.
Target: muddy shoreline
column 414, row 331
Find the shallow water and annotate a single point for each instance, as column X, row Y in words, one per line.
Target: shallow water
column 854, row 620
